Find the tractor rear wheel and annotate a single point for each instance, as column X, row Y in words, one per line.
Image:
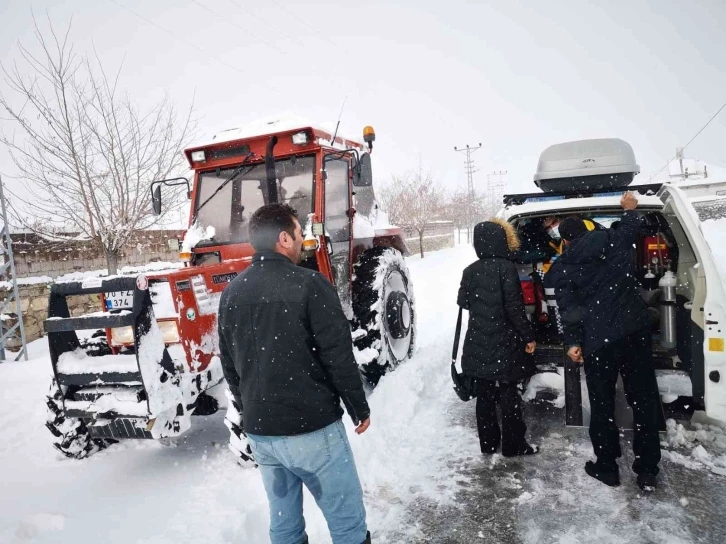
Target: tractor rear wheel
column 383, row 306
column 70, row 435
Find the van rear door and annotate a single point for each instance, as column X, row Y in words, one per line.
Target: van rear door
column 701, row 211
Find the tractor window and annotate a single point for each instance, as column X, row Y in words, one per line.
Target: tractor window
column 337, row 200
column 229, row 211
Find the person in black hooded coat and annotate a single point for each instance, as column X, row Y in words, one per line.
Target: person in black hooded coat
column 499, row 340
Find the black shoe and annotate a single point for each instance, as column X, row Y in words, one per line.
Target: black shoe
column 647, row 482
column 526, row 450
column 368, row 538
column 489, row 451
column 608, row 476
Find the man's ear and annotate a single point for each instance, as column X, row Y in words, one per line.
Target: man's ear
column 283, row 239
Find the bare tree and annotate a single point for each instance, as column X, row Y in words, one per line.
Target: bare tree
column 413, row 201
column 85, row 153
column 459, row 205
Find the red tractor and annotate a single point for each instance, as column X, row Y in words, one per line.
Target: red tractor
column 161, row 329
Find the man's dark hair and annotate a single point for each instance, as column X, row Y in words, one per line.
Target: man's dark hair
column 572, row 228
column 268, row 222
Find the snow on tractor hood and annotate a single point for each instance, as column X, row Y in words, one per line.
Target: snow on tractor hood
column 196, row 234
column 270, row 125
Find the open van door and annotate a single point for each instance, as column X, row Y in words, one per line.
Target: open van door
column 699, row 209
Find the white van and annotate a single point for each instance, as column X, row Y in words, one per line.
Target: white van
column 683, row 232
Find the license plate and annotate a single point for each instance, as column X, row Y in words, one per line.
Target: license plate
column 119, row 300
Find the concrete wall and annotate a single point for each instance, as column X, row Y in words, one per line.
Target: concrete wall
column 437, row 236
column 34, row 305
column 35, row 256
column 26, row 268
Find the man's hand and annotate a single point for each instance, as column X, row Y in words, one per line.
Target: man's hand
column 363, row 426
column 629, row 201
column 575, row 353
column 529, row 348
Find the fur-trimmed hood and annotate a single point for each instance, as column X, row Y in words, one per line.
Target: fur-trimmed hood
column 495, row 238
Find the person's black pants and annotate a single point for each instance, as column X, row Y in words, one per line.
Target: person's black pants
column 632, row 358
column 513, row 427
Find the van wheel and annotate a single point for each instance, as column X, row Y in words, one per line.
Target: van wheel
column 70, row 435
column 383, row 305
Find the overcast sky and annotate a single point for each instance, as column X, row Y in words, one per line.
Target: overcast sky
column 515, row 76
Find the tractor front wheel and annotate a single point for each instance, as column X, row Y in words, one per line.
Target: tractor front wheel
column 383, row 305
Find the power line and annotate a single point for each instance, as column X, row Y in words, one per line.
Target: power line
column 277, row 30
column 689, row 141
column 226, row 20
column 319, row 34
column 193, row 45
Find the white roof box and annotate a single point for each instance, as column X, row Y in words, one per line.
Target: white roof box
column 586, row 165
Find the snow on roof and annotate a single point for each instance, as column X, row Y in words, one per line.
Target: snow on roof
column 572, row 204
column 268, row 125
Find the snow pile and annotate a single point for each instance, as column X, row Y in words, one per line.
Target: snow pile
column 102, row 273
column 281, row 122
column 34, row 280
column 547, row 381
column 693, row 442
column 673, row 384
column 196, row 234
column 163, row 394
column 162, row 300
column 161, row 266
column 77, row 362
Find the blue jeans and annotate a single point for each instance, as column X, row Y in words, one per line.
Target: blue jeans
column 323, row 461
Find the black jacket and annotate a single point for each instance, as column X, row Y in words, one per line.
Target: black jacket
column 498, row 326
column 596, row 291
column 286, row 349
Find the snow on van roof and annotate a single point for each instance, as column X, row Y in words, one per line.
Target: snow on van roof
column 559, row 204
column 268, row 125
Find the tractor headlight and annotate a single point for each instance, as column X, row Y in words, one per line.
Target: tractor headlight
column 198, row 156
column 122, row 335
column 169, row 331
column 301, row 138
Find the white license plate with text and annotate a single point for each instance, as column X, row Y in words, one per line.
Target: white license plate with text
column 119, row 300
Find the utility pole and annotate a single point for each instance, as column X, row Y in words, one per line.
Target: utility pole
column 684, row 173
column 12, row 300
column 496, row 190
column 469, row 168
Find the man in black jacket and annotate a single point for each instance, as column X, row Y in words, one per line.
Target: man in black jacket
column 606, row 326
column 287, row 355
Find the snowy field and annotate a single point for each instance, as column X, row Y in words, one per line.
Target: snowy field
column 424, row 478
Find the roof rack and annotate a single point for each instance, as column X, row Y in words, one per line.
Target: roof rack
column 518, row 199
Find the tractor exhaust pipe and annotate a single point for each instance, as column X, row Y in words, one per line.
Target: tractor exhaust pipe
column 270, row 171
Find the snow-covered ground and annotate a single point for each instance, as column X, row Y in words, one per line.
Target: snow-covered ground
column 419, row 460
column 191, row 490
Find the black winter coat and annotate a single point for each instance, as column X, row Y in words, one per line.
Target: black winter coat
column 498, row 326
column 597, row 294
column 286, row 349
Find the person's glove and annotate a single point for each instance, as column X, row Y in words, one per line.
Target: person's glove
column 238, row 443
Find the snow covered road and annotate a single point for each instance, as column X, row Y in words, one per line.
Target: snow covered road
column 423, row 477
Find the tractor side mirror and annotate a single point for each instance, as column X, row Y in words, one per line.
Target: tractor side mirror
column 156, row 191
column 156, row 200
column 363, row 176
